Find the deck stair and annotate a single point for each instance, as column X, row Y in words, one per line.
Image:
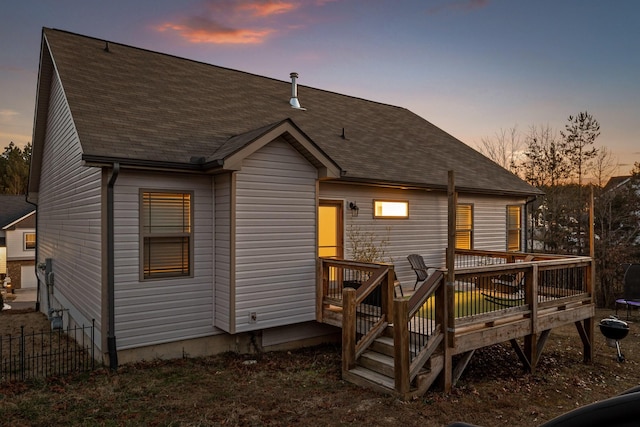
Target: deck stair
column 375, row 369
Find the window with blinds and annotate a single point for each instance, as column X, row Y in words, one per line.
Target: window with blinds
column 464, row 226
column 166, row 234
column 514, row 227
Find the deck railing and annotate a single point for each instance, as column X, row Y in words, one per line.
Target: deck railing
column 499, row 281
column 489, row 288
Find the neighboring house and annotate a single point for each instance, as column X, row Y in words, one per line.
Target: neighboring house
column 17, row 241
column 618, row 185
column 184, row 206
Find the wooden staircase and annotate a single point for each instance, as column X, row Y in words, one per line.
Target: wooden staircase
column 375, row 369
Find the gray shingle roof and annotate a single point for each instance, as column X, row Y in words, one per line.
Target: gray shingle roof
column 13, row 208
column 133, row 104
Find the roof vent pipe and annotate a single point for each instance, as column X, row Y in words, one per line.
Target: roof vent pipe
column 294, row 92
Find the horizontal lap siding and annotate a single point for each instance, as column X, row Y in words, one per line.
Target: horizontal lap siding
column 69, row 216
column 222, row 209
column 160, row 311
column 424, row 232
column 14, row 243
column 490, row 221
column 275, row 238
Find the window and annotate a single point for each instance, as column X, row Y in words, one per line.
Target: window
column 390, row 209
column 514, row 226
column 464, row 226
column 166, row 234
column 29, row 241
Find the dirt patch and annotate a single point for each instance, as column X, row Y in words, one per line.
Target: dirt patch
column 304, row 388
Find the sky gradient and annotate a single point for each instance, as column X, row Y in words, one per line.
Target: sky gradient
column 471, row 67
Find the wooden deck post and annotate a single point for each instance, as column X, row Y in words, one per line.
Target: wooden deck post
column 348, row 329
column 531, row 299
column 589, row 324
column 387, row 294
column 401, row 362
column 448, row 289
column 322, row 288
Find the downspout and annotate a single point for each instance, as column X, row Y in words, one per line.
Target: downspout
column 526, row 224
column 111, row 337
column 37, row 308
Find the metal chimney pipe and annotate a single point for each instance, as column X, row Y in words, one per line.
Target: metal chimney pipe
column 294, row 91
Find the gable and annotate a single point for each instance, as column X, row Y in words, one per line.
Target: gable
column 27, row 221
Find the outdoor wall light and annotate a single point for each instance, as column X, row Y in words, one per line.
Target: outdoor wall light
column 354, row 209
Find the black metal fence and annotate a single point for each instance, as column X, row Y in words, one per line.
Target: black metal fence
column 44, row 354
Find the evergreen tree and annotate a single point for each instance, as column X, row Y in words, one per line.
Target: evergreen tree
column 14, row 169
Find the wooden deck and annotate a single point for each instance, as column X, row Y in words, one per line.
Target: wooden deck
column 404, row 346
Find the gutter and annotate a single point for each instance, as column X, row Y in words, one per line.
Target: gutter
column 35, row 265
column 196, row 165
column 111, row 338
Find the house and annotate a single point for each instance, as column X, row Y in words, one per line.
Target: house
column 183, row 206
column 17, row 242
column 622, row 195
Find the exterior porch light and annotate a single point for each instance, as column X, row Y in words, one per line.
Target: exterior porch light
column 354, row 209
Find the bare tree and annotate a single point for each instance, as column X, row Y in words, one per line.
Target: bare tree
column 505, row 148
column 603, row 166
column 546, row 163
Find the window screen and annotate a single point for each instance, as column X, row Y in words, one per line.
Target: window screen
column 464, row 227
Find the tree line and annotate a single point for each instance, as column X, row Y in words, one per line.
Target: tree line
column 14, row 169
column 571, row 170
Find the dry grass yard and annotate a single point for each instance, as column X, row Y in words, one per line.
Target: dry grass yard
column 304, row 388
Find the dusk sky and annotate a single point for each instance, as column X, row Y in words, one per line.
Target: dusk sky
column 471, row 67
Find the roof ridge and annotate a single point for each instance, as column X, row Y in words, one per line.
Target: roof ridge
column 222, row 67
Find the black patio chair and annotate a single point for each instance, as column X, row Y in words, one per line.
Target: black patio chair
column 420, row 268
column 631, row 293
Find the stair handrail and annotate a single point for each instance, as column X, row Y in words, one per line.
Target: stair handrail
column 409, row 361
column 352, row 347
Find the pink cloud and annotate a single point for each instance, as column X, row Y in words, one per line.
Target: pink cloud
column 204, row 30
column 237, row 21
column 268, row 8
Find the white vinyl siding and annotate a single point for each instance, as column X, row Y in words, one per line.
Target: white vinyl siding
column 275, row 248
column 490, row 221
column 425, row 231
column 223, row 292
column 15, row 240
column 70, row 217
column 162, row 310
